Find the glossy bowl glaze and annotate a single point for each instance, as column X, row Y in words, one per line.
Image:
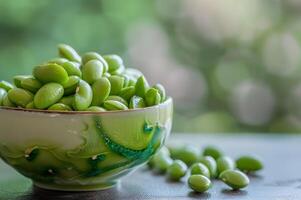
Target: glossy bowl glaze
column 79, row 151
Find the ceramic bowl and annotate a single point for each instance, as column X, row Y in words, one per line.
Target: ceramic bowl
column 79, row 151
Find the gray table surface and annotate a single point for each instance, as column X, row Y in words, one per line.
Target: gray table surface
column 280, row 179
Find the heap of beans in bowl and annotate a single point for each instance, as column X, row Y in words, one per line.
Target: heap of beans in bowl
column 90, row 82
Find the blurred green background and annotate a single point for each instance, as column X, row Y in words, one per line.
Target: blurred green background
column 231, row 66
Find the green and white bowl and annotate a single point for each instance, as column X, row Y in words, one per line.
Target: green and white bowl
column 79, row 151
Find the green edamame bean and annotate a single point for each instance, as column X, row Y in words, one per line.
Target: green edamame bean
column 137, row 102
column 200, row 168
column 95, row 56
column 18, row 79
column 127, row 93
column 164, row 150
column 161, row 91
column 151, row 163
column 6, row 102
column 141, row 86
column 249, row 163
column 212, row 151
column 132, row 81
column 119, row 71
column 210, row 164
column 92, row 71
column 71, row 85
column 118, row 98
column 48, row 95
column 3, row 93
column 101, row 90
column 176, row 170
column 114, row 105
column 128, row 80
column 67, row 100
column 116, row 84
column 20, row 97
column 135, row 73
column 199, row 183
column 60, row 107
column 224, row 163
column 162, row 162
column 30, row 105
column 72, row 68
column 174, row 150
column 152, row 97
column 235, row 179
column 6, row 85
column 125, row 78
column 114, row 62
column 187, row 154
column 59, row 61
column 83, row 96
column 50, row 72
column 31, row 84
column 106, row 74
column 96, row 109
column 69, row 53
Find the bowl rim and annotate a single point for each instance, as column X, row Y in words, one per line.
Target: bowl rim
column 163, row 104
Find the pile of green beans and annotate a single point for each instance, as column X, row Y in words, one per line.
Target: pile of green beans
column 203, row 166
column 90, row 82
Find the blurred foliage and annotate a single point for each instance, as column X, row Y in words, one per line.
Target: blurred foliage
column 231, row 66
